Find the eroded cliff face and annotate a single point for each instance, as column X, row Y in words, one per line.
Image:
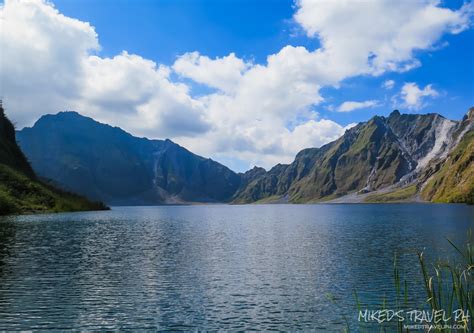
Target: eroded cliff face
column 383, row 154
column 108, row 164
column 449, row 177
column 21, row 191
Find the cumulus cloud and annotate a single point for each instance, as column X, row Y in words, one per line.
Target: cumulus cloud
column 260, row 113
column 388, row 84
column 351, row 106
column 137, row 94
column 42, row 52
column 221, row 73
column 414, row 97
column 376, row 36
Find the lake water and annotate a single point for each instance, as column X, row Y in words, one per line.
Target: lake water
column 214, row 267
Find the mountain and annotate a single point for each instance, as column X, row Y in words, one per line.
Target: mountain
column 397, row 158
column 108, row 164
column 452, row 179
column 20, row 190
column 10, row 154
column 402, row 157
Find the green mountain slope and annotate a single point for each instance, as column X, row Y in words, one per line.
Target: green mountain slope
column 367, row 156
column 454, row 182
column 20, row 190
column 10, row 153
column 21, row 194
column 448, row 179
column 386, row 159
column 382, row 160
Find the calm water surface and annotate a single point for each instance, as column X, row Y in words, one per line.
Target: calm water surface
column 214, row 267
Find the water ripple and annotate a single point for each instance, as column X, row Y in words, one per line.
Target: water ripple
column 214, row 267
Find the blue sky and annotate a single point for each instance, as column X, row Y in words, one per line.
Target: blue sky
column 266, row 79
column 163, row 30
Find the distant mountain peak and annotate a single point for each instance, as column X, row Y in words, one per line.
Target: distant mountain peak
column 62, row 116
column 69, row 113
column 106, row 163
column 470, row 114
column 371, row 156
column 257, row 168
column 21, row 191
column 110, row 164
column 395, row 113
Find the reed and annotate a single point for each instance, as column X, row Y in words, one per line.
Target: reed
column 448, row 285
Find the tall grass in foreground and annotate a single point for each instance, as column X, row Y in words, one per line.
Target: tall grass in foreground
column 449, row 287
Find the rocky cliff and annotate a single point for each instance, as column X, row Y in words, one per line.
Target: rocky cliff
column 402, row 157
column 106, row 163
column 20, row 189
column 373, row 160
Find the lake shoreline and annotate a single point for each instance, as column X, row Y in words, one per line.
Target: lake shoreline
column 216, row 267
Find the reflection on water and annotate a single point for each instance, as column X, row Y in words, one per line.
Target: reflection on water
column 210, row 267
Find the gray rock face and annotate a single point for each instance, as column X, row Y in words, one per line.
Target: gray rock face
column 106, row 163
column 371, row 156
column 20, row 189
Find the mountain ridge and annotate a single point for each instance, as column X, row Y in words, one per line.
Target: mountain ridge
column 373, row 156
column 373, row 161
column 107, row 163
column 20, row 189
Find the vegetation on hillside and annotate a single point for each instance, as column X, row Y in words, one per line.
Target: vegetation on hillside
column 366, row 156
column 371, row 157
column 399, row 195
column 449, row 288
column 20, row 191
column 21, row 194
column 10, row 153
column 454, row 182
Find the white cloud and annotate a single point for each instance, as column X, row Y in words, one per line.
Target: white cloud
column 388, row 84
column 221, row 73
column 349, row 126
column 312, row 134
column 49, row 64
column 42, row 52
column 375, row 36
column 260, row 113
column 138, row 95
column 413, row 97
column 351, row 106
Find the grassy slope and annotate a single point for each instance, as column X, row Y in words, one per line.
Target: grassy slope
column 10, row 153
column 400, row 195
column 21, row 194
column 454, row 182
column 20, row 191
column 334, row 170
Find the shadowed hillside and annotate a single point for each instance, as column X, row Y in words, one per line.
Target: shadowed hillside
column 108, row 164
column 400, row 158
column 21, row 191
